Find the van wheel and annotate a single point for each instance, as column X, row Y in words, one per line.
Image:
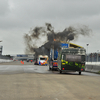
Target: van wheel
column 79, row 73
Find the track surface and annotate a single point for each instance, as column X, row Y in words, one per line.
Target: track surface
column 33, row 82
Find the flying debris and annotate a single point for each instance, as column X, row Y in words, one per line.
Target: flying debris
column 45, row 37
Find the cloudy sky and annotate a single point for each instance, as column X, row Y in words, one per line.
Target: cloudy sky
column 18, row 16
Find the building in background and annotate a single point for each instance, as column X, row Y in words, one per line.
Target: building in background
column 23, row 57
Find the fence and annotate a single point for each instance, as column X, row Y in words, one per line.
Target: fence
column 93, row 57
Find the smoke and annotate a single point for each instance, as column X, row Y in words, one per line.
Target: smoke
column 34, row 39
column 41, row 39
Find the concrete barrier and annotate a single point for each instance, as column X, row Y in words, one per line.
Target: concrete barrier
column 5, row 60
column 92, row 68
column 96, row 68
column 88, row 67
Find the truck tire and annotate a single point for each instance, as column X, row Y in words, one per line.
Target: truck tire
column 79, row 73
column 52, row 69
column 49, row 68
column 60, row 72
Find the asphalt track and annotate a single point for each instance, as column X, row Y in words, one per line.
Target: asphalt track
column 33, row 82
column 28, row 67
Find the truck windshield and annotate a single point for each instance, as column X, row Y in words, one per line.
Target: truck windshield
column 74, row 58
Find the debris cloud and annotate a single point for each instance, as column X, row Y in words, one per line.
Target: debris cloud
column 41, row 39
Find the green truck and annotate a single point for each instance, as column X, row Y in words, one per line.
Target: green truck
column 71, row 59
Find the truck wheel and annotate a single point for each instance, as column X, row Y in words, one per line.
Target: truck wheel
column 60, row 71
column 49, row 68
column 79, row 73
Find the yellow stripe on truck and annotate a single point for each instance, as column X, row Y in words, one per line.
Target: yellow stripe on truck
column 63, row 63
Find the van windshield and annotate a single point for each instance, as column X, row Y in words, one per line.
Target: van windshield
column 43, row 58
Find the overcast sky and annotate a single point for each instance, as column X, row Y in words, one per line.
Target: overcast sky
column 18, row 16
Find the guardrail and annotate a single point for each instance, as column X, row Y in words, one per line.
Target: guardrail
column 5, row 60
column 92, row 66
